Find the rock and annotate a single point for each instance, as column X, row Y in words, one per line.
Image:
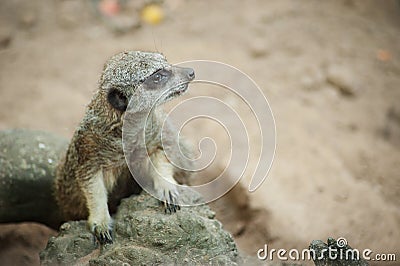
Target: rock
column 5, row 37
column 145, row 235
column 258, row 48
column 27, row 170
column 28, row 20
column 335, row 253
column 391, row 129
column 342, row 79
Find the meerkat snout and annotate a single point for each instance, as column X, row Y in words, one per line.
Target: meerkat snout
column 190, row 73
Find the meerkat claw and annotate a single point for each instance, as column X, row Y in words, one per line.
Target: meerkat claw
column 170, row 208
column 94, row 240
column 102, row 236
column 171, row 204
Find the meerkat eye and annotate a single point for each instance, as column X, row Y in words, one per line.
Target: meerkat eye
column 157, row 78
column 117, row 100
column 160, row 76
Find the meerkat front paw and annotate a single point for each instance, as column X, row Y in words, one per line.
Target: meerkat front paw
column 102, row 230
column 170, row 201
column 168, row 194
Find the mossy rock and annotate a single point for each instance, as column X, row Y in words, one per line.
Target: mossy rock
column 28, row 161
column 145, row 235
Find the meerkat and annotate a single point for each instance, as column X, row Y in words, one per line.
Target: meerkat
column 95, row 159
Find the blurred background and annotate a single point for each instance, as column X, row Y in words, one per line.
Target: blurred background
column 330, row 70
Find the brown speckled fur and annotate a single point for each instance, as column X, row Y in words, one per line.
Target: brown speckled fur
column 96, row 145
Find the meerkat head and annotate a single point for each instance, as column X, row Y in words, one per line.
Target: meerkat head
column 144, row 78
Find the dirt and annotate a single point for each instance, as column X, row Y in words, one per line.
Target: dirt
column 21, row 243
column 330, row 70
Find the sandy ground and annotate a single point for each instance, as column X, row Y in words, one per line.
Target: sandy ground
column 330, row 70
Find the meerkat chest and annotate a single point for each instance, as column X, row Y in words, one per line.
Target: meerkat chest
column 111, row 153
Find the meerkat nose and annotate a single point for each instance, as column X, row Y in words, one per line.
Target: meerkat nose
column 190, row 73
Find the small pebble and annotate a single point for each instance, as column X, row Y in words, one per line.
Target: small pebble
column 5, row 38
column 28, row 20
column 342, row 79
column 65, row 227
column 258, row 48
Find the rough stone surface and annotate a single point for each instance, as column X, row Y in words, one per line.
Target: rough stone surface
column 145, row 235
column 27, row 170
column 323, row 259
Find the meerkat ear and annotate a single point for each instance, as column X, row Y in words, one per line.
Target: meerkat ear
column 117, row 100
